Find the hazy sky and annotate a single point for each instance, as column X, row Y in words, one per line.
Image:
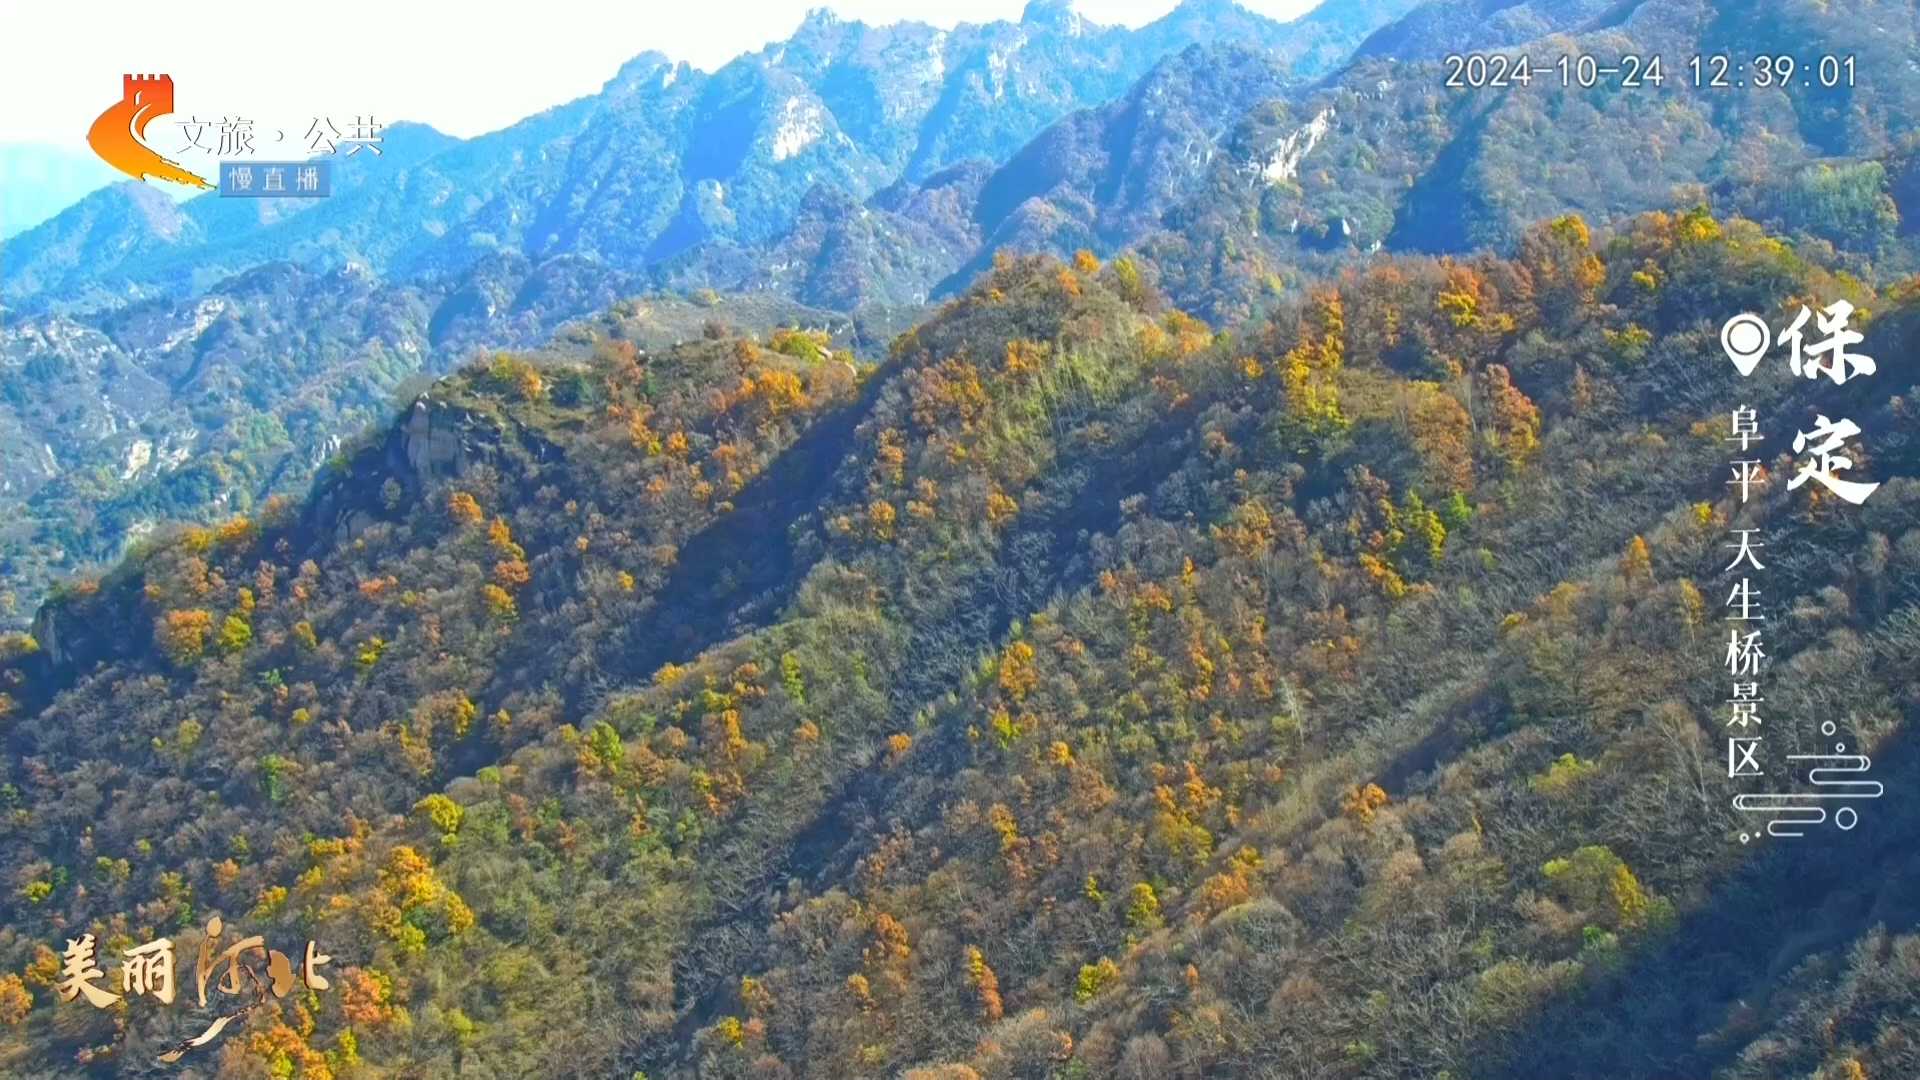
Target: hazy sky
column 453, row 65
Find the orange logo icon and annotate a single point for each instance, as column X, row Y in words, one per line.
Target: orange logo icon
column 119, row 135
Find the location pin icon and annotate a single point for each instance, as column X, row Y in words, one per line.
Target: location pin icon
column 1745, row 338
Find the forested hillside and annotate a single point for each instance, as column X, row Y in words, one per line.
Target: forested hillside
column 1034, row 551
column 146, row 374
column 162, row 362
column 1084, row 691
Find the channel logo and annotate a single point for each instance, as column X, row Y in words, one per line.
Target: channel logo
column 119, row 135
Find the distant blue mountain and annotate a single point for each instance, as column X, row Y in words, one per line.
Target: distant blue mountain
column 38, row 180
column 666, row 158
column 120, row 240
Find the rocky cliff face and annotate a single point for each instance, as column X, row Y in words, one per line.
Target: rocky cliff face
column 433, row 440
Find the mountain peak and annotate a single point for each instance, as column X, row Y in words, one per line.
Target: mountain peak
column 1202, row 20
column 649, row 70
column 1058, row 13
column 152, row 206
column 1207, row 9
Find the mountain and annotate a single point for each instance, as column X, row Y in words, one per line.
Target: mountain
column 1438, row 28
column 1104, row 177
column 729, row 155
column 837, row 170
column 842, row 254
column 116, row 222
column 113, row 422
column 1235, row 181
column 1099, row 178
column 1077, row 692
column 1283, row 638
column 1384, row 155
column 96, row 252
column 39, row 180
column 1241, row 183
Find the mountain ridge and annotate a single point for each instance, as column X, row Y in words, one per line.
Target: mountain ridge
column 831, row 104
column 1075, row 643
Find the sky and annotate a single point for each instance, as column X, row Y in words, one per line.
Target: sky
column 285, row 62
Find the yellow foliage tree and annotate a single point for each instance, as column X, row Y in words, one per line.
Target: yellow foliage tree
column 1018, row 677
column 1514, row 427
column 1310, row 372
column 464, row 509
column 986, row 985
column 1362, row 801
column 182, row 635
column 15, row 1000
column 1636, row 563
